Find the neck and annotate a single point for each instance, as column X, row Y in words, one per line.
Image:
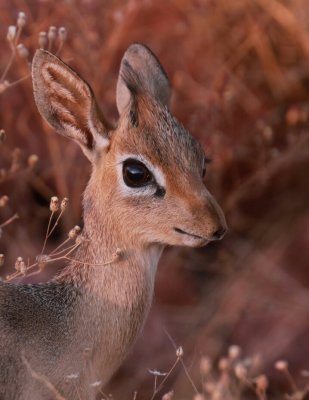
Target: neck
column 105, row 249
column 115, row 294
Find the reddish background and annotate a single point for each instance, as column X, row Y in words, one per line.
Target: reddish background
column 240, row 74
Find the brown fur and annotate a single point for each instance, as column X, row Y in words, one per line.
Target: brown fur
column 85, row 320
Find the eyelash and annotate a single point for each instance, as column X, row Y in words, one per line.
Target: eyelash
column 206, row 161
column 160, row 191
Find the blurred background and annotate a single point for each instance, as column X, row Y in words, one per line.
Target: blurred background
column 240, row 76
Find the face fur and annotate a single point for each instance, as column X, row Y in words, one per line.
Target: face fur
column 154, row 170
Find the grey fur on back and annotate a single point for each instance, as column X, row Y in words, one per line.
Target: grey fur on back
column 35, row 320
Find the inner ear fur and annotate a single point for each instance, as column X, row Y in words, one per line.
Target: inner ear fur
column 67, row 102
column 141, row 72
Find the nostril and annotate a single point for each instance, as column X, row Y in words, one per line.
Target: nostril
column 219, row 233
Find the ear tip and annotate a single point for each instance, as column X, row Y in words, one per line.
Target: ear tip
column 42, row 55
column 139, row 49
column 137, row 46
column 141, row 71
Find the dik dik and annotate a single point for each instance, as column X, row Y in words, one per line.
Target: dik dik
column 146, row 191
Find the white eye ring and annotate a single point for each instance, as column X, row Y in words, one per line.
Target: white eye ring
column 154, row 170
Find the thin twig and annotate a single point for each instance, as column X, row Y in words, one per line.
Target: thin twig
column 18, row 33
column 188, row 376
column 10, row 84
column 64, row 257
column 42, row 379
column 55, row 224
column 59, row 48
column 13, row 54
column 91, row 264
column 59, row 247
column 182, row 362
column 47, row 232
column 53, row 253
column 290, row 379
column 165, row 378
column 9, row 221
column 9, row 64
column 50, row 44
column 18, row 274
column 155, row 383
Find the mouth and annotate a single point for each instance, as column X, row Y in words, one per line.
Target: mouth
column 178, row 230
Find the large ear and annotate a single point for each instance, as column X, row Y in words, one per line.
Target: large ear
column 140, row 70
column 67, row 102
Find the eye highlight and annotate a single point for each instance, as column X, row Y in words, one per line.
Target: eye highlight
column 136, row 174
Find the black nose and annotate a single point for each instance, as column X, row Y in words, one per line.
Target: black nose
column 217, row 235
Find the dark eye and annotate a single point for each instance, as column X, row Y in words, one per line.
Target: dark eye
column 136, row 174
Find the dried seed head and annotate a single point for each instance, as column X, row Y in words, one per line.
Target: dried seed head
column 4, row 85
column 43, row 40
column 22, row 51
column 234, row 352
column 281, row 365
column 52, row 33
column 74, row 232
column 32, row 161
column 223, row 364
column 21, row 19
column 261, row 383
column 241, row 372
column 168, row 395
column 205, row 365
column 54, row 204
column 20, row 265
column 1, row 260
column 2, row 136
column 23, row 268
column 209, row 387
column 11, row 33
column 64, row 204
column 62, row 33
column 3, row 201
column 179, row 352
column 16, row 160
column 79, row 239
column 118, row 253
column 42, row 261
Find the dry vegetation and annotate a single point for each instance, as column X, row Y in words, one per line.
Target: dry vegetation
column 240, row 72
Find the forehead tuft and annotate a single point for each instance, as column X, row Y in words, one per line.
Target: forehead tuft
column 164, row 140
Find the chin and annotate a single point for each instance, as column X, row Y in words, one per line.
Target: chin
column 195, row 242
column 188, row 242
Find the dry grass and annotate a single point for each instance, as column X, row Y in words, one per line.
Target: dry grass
column 240, row 75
